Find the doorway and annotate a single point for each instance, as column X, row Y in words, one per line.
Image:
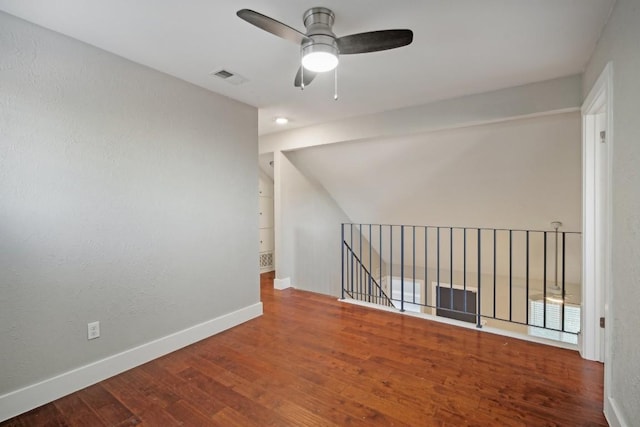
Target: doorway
column 597, row 137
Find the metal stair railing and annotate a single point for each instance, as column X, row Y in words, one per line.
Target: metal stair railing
column 472, row 274
column 364, row 286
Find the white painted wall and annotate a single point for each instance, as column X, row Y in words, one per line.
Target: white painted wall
column 522, row 173
column 307, row 231
column 558, row 95
column 126, row 196
column 619, row 44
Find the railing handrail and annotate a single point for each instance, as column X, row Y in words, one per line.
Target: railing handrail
column 452, row 227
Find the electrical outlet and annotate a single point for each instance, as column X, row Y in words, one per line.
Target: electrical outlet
column 93, row 330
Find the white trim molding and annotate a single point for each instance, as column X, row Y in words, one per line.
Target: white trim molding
column 27, row 398
column 613, row 414
column 597, row 231
column 596, row 224
column 472, row 326
column 281, row 284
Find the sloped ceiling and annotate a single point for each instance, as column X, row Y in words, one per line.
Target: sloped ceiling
column 522, row 173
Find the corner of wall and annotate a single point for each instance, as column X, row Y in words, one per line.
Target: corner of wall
column 613, row 414
column 281, row 284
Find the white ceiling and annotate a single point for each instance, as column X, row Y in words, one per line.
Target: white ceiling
column 460, row 47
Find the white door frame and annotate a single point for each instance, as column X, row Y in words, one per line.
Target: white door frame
column 596, row 222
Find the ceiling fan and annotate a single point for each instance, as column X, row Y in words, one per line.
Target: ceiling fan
column 319, row 46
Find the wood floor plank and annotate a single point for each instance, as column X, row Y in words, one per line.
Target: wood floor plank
column 77, row 412
column 206, row 403
column 312, row 360
column 137, row 390
column 187, row 414
column 288, row 383
column 229, row 417
column 231, row 398
column 141, row 400
column 43, row 416
column 110, row 410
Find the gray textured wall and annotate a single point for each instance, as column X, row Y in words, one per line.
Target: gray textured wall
column 309, row 231
column 619, row 43
column 126, row 196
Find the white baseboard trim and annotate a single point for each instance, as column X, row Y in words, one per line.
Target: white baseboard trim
column 281, row 284
column 30, row 397
column 484, row 329
column 612, row 413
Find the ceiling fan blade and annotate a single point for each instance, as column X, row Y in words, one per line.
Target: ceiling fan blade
column 271, row 25
column 374, row 41
column 308, row 77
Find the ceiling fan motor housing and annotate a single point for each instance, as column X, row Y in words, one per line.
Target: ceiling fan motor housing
column 318, row 22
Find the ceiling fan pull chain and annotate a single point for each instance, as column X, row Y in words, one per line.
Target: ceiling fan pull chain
column 335, row 87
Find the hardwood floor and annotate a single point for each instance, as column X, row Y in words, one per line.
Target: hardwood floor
column 313, row 361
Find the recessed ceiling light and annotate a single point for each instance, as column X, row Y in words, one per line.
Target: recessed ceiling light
column 282, row 120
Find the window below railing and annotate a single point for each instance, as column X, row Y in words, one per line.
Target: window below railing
column 571, row 321
column 413, row 300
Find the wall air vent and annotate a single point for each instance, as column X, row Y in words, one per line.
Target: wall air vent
column 223, row 74
column 228, row 76
column 266, row 260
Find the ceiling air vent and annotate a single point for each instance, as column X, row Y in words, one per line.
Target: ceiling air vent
column 228, row 76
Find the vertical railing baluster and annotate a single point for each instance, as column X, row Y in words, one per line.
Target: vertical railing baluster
column 437, row 267
column 495, row 265
column 370, row 264
column 342, row 258
column 360, row 277
column 346, row 266
column 352, row 273
column 414, row 264
column 426, row 263
column 380, row 266
column 544, row 283
column 402, row 268
column 451, row 268
column 358, row 266
column 391, row 262
column 563, row 283
column 510, row 275
column 464, row 267
column 527, row 282
column 479, row 307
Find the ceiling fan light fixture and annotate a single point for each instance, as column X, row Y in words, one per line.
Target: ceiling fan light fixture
column 319, row 46
column 319, row 57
